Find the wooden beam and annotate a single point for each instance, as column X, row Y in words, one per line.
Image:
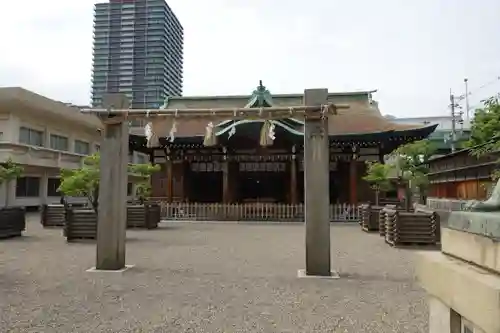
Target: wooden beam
column 227, row 113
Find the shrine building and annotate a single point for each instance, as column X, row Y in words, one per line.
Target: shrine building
column 262, row 160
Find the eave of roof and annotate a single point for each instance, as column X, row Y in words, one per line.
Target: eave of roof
column 390, row 135
column 238, row 97
column 21, row 96
column 462, row 151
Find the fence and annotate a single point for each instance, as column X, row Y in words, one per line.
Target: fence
column 447, row 204
column 251, row 212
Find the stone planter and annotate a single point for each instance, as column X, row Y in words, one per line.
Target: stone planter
column 370, row 217
column 53, row 215
column 410, row 228
column 80, row 223
column 143, row 216
column 12, row 222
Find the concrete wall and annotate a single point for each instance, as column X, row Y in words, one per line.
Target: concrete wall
column 463, row 282
column 43, row 162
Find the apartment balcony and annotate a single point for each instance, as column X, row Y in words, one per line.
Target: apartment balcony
column 39, row 156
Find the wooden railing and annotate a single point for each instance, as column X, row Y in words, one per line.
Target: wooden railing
column 251, row 212
column 447, row 204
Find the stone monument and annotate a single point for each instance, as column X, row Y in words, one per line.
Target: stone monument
column 463, row 280
column 490, row 205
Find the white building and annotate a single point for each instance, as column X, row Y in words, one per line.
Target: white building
column 43, row 136
column 444, row 122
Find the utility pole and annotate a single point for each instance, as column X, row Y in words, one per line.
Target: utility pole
column 466, row 81
column 453, row 123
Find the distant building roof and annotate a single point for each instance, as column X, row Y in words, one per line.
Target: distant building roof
column 18, row 98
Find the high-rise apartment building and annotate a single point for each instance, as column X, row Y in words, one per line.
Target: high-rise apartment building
column 138, row 50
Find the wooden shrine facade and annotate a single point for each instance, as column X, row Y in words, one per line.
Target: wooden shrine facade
column 461, row 175
column 238, row 161
column 254, row 175
column 240, row 170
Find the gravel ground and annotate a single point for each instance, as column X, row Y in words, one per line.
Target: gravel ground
column 197, row 277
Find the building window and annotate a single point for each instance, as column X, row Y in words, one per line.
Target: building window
column 129, row 189
column 28, row 187
column 53, row 186
column 59, row 142
column 30, row 136
column 82, row 147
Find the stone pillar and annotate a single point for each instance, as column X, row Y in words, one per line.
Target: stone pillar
column 112, row 223
column 44, row 183
column 439, row 317
column 316, row 184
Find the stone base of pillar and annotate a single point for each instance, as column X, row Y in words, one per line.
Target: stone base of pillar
column 301, row 273
column 457, row 289
column 105, row 271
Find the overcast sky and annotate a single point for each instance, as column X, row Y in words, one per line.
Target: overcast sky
column 413, row 52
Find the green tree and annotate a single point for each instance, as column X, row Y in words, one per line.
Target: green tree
column 485, row 131
column 84, row 182
column 8, row 172
column 143, row 186
column 377, row 174
column 485, row 127
column 411, row 163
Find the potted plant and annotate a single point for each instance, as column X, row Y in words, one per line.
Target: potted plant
column 12, row 219
column 377, row 174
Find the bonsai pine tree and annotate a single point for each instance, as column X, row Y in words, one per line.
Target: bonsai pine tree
column 144, row 173
column 411, row 160
column 8, row 172
column 377, row 174
column 84, row 182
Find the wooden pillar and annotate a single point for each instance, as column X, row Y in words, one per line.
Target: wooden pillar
column 152, row 179
column 353, row 181
column 381, row 159
column 316, row 182
column 226, row 192
column 182, row 180
column 112, row 216
column 294, row 194
column 170, row 175
column 185, row 182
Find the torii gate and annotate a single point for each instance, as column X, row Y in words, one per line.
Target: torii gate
column 111, row 227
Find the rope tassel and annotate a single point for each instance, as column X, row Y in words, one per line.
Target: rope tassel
column 210, row 139
column 267, row 134
column 152, row 139
column 173, row 130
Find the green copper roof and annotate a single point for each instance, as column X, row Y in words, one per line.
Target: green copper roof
column 260, row 98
